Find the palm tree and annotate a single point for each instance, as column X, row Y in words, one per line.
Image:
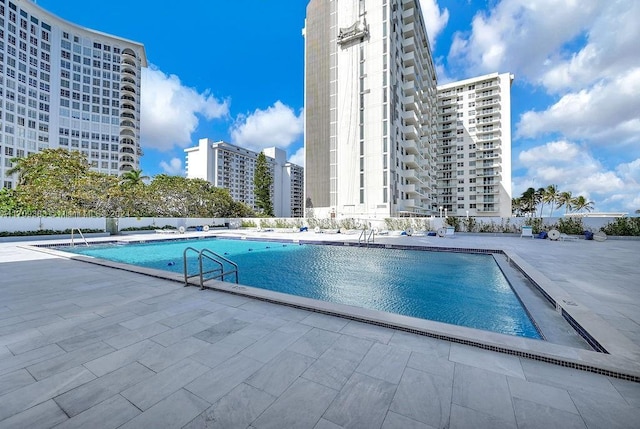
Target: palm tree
column 564, row 199
column 550, row 197
column 580, row 203
column 528, row 201
column 133, row 178
column 540, row 198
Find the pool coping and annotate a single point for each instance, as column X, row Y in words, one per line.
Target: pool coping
column 615, row 355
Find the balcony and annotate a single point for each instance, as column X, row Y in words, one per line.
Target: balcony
column 486, row 190
column 487, row 85
column 411, row 147
column 411, row 161
column 410, row 132
column 410, row 117
column 487, row 173
column 408, row 44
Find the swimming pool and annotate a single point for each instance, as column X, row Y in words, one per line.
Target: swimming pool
column 457, row 288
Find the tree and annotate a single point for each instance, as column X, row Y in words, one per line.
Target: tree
column 550, row 196
column 539, row 197
column 580, row 203
column 8, row 201
column 528, row 201
column 262, row 181
column 133, row 178
column 564, row 199
column 48, row 181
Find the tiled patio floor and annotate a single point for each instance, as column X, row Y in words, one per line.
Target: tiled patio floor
column 83, row 345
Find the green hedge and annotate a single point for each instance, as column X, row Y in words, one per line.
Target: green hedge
column 45, row 232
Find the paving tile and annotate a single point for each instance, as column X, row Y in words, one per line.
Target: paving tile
column 368, row 332
column 567, row 378
column 213, row 355
column 432, row 365
column 89, row 394
column 602, row 411
column 185, row 317
column 20, row 336
column 630, row 391
column 278, row 374
column 145, row 320
column 314, row 342
column 397, row 421
column 220, row 330
column 484, row 391
column 173, row 412
column 325, row 322
column 82, row 340
column 485, row 359
column 220, row 380
column 326, row 424
column 128, row 338
column 35, row 393
column 32, row 357
column 300, row 406
column 384, row 362
column 424, row 397
column 46, row 414
column 362, row 403
column 268, row 347
column 467, row 418
column 542, row 394
column 427, row 346
column 69, row 360
column 237, row 409
column 175, row 335
column 15, row 380
column 108, row 414
column 163, row 384
column 532, row 415
column 338, row 363
column 119, row 358
column 172, row 354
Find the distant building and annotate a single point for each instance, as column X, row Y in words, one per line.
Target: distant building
column 231, row 167
column 379, row 140
column 65, row 86
column 474, row 146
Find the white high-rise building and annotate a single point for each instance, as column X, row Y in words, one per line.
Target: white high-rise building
column 370, row 110
column 65, row 86
column 232, row 167
column 474, row 146
column 374, row 120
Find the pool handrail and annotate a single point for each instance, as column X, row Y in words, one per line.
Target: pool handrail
column 214, row 257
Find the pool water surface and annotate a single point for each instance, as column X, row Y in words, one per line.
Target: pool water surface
column 463, row 289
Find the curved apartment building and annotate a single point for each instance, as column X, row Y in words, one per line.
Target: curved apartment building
column 65, row 86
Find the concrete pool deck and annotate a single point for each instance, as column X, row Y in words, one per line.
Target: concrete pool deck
column 85, row 344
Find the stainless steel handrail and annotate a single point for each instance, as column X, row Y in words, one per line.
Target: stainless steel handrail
column 218, row 272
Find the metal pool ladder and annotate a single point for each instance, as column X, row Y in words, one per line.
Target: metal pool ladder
column 79, row 232
column 220, row 262
column 367, row 236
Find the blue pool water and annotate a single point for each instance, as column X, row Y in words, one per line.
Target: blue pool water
column 457, row 288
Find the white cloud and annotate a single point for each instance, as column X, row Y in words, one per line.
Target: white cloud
column 611, row 49
column 606, row 114
column 277, row 126
column 434, row 19
column 574, row 168
column 298, row 157
column 173, row 167
column 522, row 36
column 170, row 111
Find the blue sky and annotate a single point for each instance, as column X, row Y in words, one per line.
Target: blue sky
column 234, row 71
